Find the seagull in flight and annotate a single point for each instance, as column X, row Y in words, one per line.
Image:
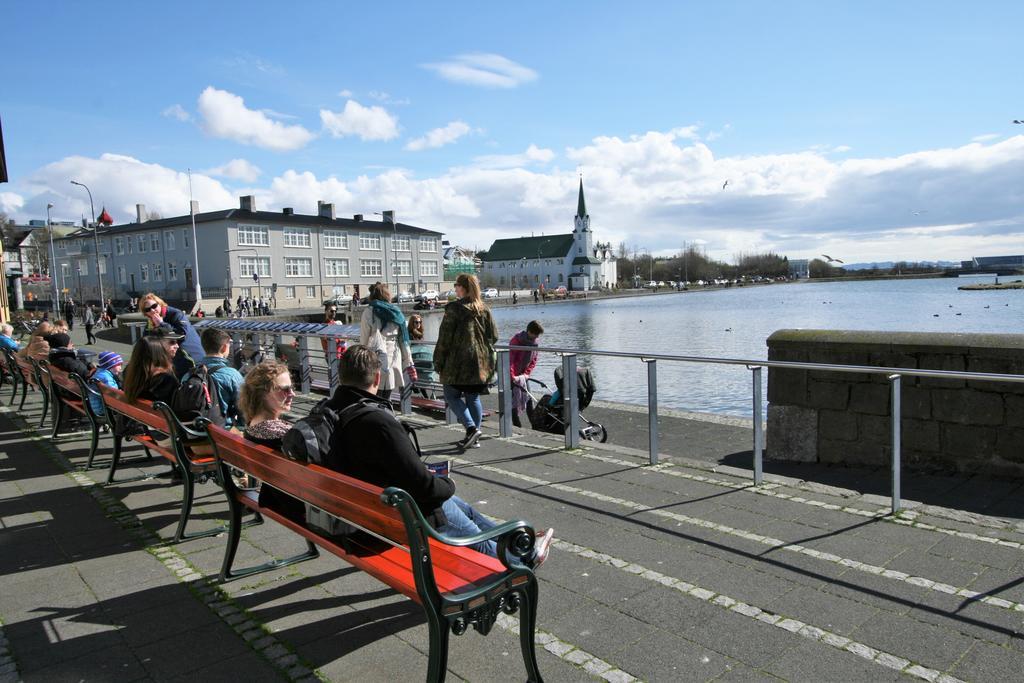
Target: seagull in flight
column 919, row 212
column 1018, row 121
column 832, row 260
column 725, row 184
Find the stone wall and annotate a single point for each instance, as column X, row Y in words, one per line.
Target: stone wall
column 947, row 425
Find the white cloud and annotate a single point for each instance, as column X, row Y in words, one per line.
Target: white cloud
column 840, row 149
column 278, row 115
column 439, row 137
column 238, row 169
column 176, row 111
column 385, row 98
column 368, row 123
column 486, row 70
column 532, row 156
column 987, row 137
column 224, row 115
column 345, row 93
column 653, row 190
column 11, row 202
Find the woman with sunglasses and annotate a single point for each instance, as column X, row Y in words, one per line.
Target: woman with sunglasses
column 266, row 396
column 159, row 314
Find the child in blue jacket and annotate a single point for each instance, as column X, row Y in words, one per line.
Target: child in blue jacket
column 108, row 372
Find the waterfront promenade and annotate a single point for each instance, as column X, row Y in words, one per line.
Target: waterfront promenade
column 677, row 572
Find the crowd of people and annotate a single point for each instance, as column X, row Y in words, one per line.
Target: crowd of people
column 245, row 306
column 171, row 354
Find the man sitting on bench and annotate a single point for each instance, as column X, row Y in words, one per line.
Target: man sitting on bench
column 372, row 446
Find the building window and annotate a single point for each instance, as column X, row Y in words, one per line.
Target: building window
column 142, row 243
column 103, row 266
column 169, row 245
column 154, row 241
column 428, row 268
column 122, row 275
column 254, row 235
column 184, row 238
column 402, row 268
column 310, row 292
column 247, row 265
column 428, row 244
column 62, row 245
column 559, row 277
column 83, row 266
column 130, row 245
column 119, row 246
column 369, row 241
column 296, row 237
column 370, row 267
column 401, row 242
column 298, row 267
column 144, row 271
column 172, row 271
column 336, row 267
column 289, row 292
column 158, row 272
column 335, row 239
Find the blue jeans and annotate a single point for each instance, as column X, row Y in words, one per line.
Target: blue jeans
column 467, row 407
column 463, row 520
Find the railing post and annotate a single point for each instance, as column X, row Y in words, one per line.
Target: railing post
column 895, row 381
column 652, row 409
column 405, row 398
column 570, row 401
column 504, row 393
column 304, row 369
column 758, row 428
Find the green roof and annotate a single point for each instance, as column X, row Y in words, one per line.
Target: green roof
column 555, row 246
column 584, row 260
column 581, row 207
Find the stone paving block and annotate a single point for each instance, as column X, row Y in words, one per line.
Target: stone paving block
column 741, row 673
column 664, row 656
column 748, row 585
column 246, row 668
column 164, row 621
column 597, row 628
column 968, row 618
column 60, row 636
column 114, row 663
column 824, row 610
column 987, row 662
column 813, row 662
column 937, row 568
column 206, row 645
column 591, row 579
column 931, row 646
column 1000, row 583
column 894, row 597
column 366, row 655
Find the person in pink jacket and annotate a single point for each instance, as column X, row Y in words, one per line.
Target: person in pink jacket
column 522, row 364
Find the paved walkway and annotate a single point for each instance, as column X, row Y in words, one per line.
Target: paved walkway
column 676, row 572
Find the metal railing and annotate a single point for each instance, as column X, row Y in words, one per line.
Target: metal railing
column 570, row 405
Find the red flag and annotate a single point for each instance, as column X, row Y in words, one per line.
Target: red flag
column 105, row 218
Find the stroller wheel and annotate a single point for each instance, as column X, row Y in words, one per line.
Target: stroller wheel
column 594, row 432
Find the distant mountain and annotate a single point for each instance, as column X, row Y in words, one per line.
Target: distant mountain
column 890, row 264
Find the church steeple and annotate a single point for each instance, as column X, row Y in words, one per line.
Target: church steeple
column 581, row 207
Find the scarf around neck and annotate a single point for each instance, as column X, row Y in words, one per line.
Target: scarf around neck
column 389, row 313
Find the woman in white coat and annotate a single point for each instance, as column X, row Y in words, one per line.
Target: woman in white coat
column 383, row 329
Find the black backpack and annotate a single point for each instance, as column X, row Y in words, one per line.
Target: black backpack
column 309, row 439
column 197, row 396
column 245, row 360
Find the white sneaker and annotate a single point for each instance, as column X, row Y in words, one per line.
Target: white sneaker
column 473, row 440
column 543, row 547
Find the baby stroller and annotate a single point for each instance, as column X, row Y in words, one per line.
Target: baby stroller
column 545, row 413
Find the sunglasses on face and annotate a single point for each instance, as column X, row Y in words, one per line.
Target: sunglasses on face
column 151, row 307
column 285, row 390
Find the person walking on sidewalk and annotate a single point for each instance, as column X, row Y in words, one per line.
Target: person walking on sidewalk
column 465, row 357
column 89, row 320
column 69, row 313
column 521, row 364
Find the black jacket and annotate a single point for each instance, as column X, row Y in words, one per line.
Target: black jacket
column 68, row 361
column 374, row 448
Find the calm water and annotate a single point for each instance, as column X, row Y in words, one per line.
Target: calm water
column 736, row 322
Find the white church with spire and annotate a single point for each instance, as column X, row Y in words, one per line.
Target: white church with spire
column 573, row 261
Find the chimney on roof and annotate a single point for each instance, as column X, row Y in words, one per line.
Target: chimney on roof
column 247, row 203
column 325, row 210
column 140, row 213
column 288, row 211
column 193, row 206
column 357, row 217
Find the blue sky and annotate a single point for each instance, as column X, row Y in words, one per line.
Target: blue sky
column 877, row 130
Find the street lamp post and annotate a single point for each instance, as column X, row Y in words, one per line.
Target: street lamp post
column 95, row 238
column 195, row 244
column 53, row 263
column 389, row 216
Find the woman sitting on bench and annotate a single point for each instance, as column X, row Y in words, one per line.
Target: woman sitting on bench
column 149, row 375
column 265, row 397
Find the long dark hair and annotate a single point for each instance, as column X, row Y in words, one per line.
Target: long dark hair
column 149, row 357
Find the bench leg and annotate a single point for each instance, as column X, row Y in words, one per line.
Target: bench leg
column 24, row 395
column 235, row 527
column 94, row 446
column 46, row 406
column 527, row 625
column 115, row 457
column 437, row 666
column 14, row 390
column 58, row 415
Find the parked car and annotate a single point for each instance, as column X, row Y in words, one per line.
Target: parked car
column 428, row 294
column 490, row 293
column 651, row 285
column 404, row 298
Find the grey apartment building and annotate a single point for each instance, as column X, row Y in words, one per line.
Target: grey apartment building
column 299, row 259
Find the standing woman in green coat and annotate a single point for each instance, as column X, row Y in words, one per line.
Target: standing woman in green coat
column 465, row 357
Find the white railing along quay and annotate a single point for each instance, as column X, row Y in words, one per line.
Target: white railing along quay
column 571, row 399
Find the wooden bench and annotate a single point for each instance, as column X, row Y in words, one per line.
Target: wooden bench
column 456, row 586
column 30, row 374
column 10, row 372
column 158, row 417
column 72, row 397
